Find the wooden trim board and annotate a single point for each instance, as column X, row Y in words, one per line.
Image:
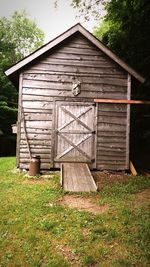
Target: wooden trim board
column 19, row 122
column 122, row 101
column 128, row 122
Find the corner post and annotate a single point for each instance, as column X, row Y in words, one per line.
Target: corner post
column 128, row 121
column 19, row 121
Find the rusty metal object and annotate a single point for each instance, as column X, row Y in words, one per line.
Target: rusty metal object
column 34, row 166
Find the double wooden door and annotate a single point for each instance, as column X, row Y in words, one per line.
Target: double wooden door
column 75, row 132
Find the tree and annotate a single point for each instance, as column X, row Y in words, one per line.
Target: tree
column 87, row 8
column 126, row 30
column 124, row 27
column 19, row 36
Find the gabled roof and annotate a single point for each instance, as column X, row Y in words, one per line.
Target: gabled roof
column 15, row 69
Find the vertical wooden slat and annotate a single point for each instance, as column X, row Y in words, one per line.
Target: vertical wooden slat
column 61, row 174
column 128, row 121
column 96, row 133
column 25, row 130
column 53, row 134
column 19, row 121
column 56, row 107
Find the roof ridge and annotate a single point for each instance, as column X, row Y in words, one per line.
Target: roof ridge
column 63, row 36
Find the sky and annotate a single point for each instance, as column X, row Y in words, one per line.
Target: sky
column 51, row 20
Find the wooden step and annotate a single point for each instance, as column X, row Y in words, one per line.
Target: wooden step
column 76, row 177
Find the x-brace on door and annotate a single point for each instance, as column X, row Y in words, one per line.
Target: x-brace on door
column 75, row 132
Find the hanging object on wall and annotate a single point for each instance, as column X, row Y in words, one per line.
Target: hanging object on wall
column 76, row 88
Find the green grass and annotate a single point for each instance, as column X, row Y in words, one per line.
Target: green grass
column 35, row 230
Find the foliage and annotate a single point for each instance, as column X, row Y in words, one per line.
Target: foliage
column 126, row 30
column 36, row 230
column 124, row 27
column 19, row 36
column 87, row 8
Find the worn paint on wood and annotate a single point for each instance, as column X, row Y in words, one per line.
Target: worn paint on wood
column 70, row 126
column 75, row 133
column 67, row 35
column 76, row 177
column 111, row 140
column 53, row 77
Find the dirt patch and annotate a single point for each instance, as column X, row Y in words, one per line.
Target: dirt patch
column 103, row 178
column 82, row 203
column 143, row 196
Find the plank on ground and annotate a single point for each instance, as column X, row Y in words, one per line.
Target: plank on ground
column 76, row 177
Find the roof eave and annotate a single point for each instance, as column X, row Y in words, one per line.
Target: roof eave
column 42, row 50
column 18, row 66
column 113, row 56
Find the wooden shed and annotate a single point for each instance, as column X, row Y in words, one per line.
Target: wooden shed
column 58, row 117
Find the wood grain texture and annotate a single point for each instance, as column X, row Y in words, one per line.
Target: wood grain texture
column 122, row 101
column 63, row 38
column 74, row 132
column 76, row 177
column 128, row 122
column 36, row 136
column 111, row 140
column 57, row 78
column 19, row 121
column 44, row 157
column 51, row 78
column 68, row 93
column 35, row 142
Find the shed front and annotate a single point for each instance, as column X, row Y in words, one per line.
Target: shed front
column 58, row 118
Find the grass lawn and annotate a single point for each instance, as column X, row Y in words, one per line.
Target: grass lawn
column 36, row 230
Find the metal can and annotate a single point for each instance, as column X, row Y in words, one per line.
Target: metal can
column 34, row 166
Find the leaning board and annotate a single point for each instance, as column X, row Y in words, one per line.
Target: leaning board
column 76, row 177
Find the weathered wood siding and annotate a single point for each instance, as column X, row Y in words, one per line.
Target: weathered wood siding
column 111, row 136
column 75, row 136
column 52, row 77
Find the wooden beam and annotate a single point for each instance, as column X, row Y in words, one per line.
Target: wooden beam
column 19, row 122
column 128, row 121
column 61, row 174
column 132, row 169
column 73, row 146
column 122, row 101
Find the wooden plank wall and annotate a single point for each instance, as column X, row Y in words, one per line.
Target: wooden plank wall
column 111, row 136
column 53, row 76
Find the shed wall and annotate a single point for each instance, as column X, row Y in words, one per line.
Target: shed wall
column 52, row 78
column 111, row 136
